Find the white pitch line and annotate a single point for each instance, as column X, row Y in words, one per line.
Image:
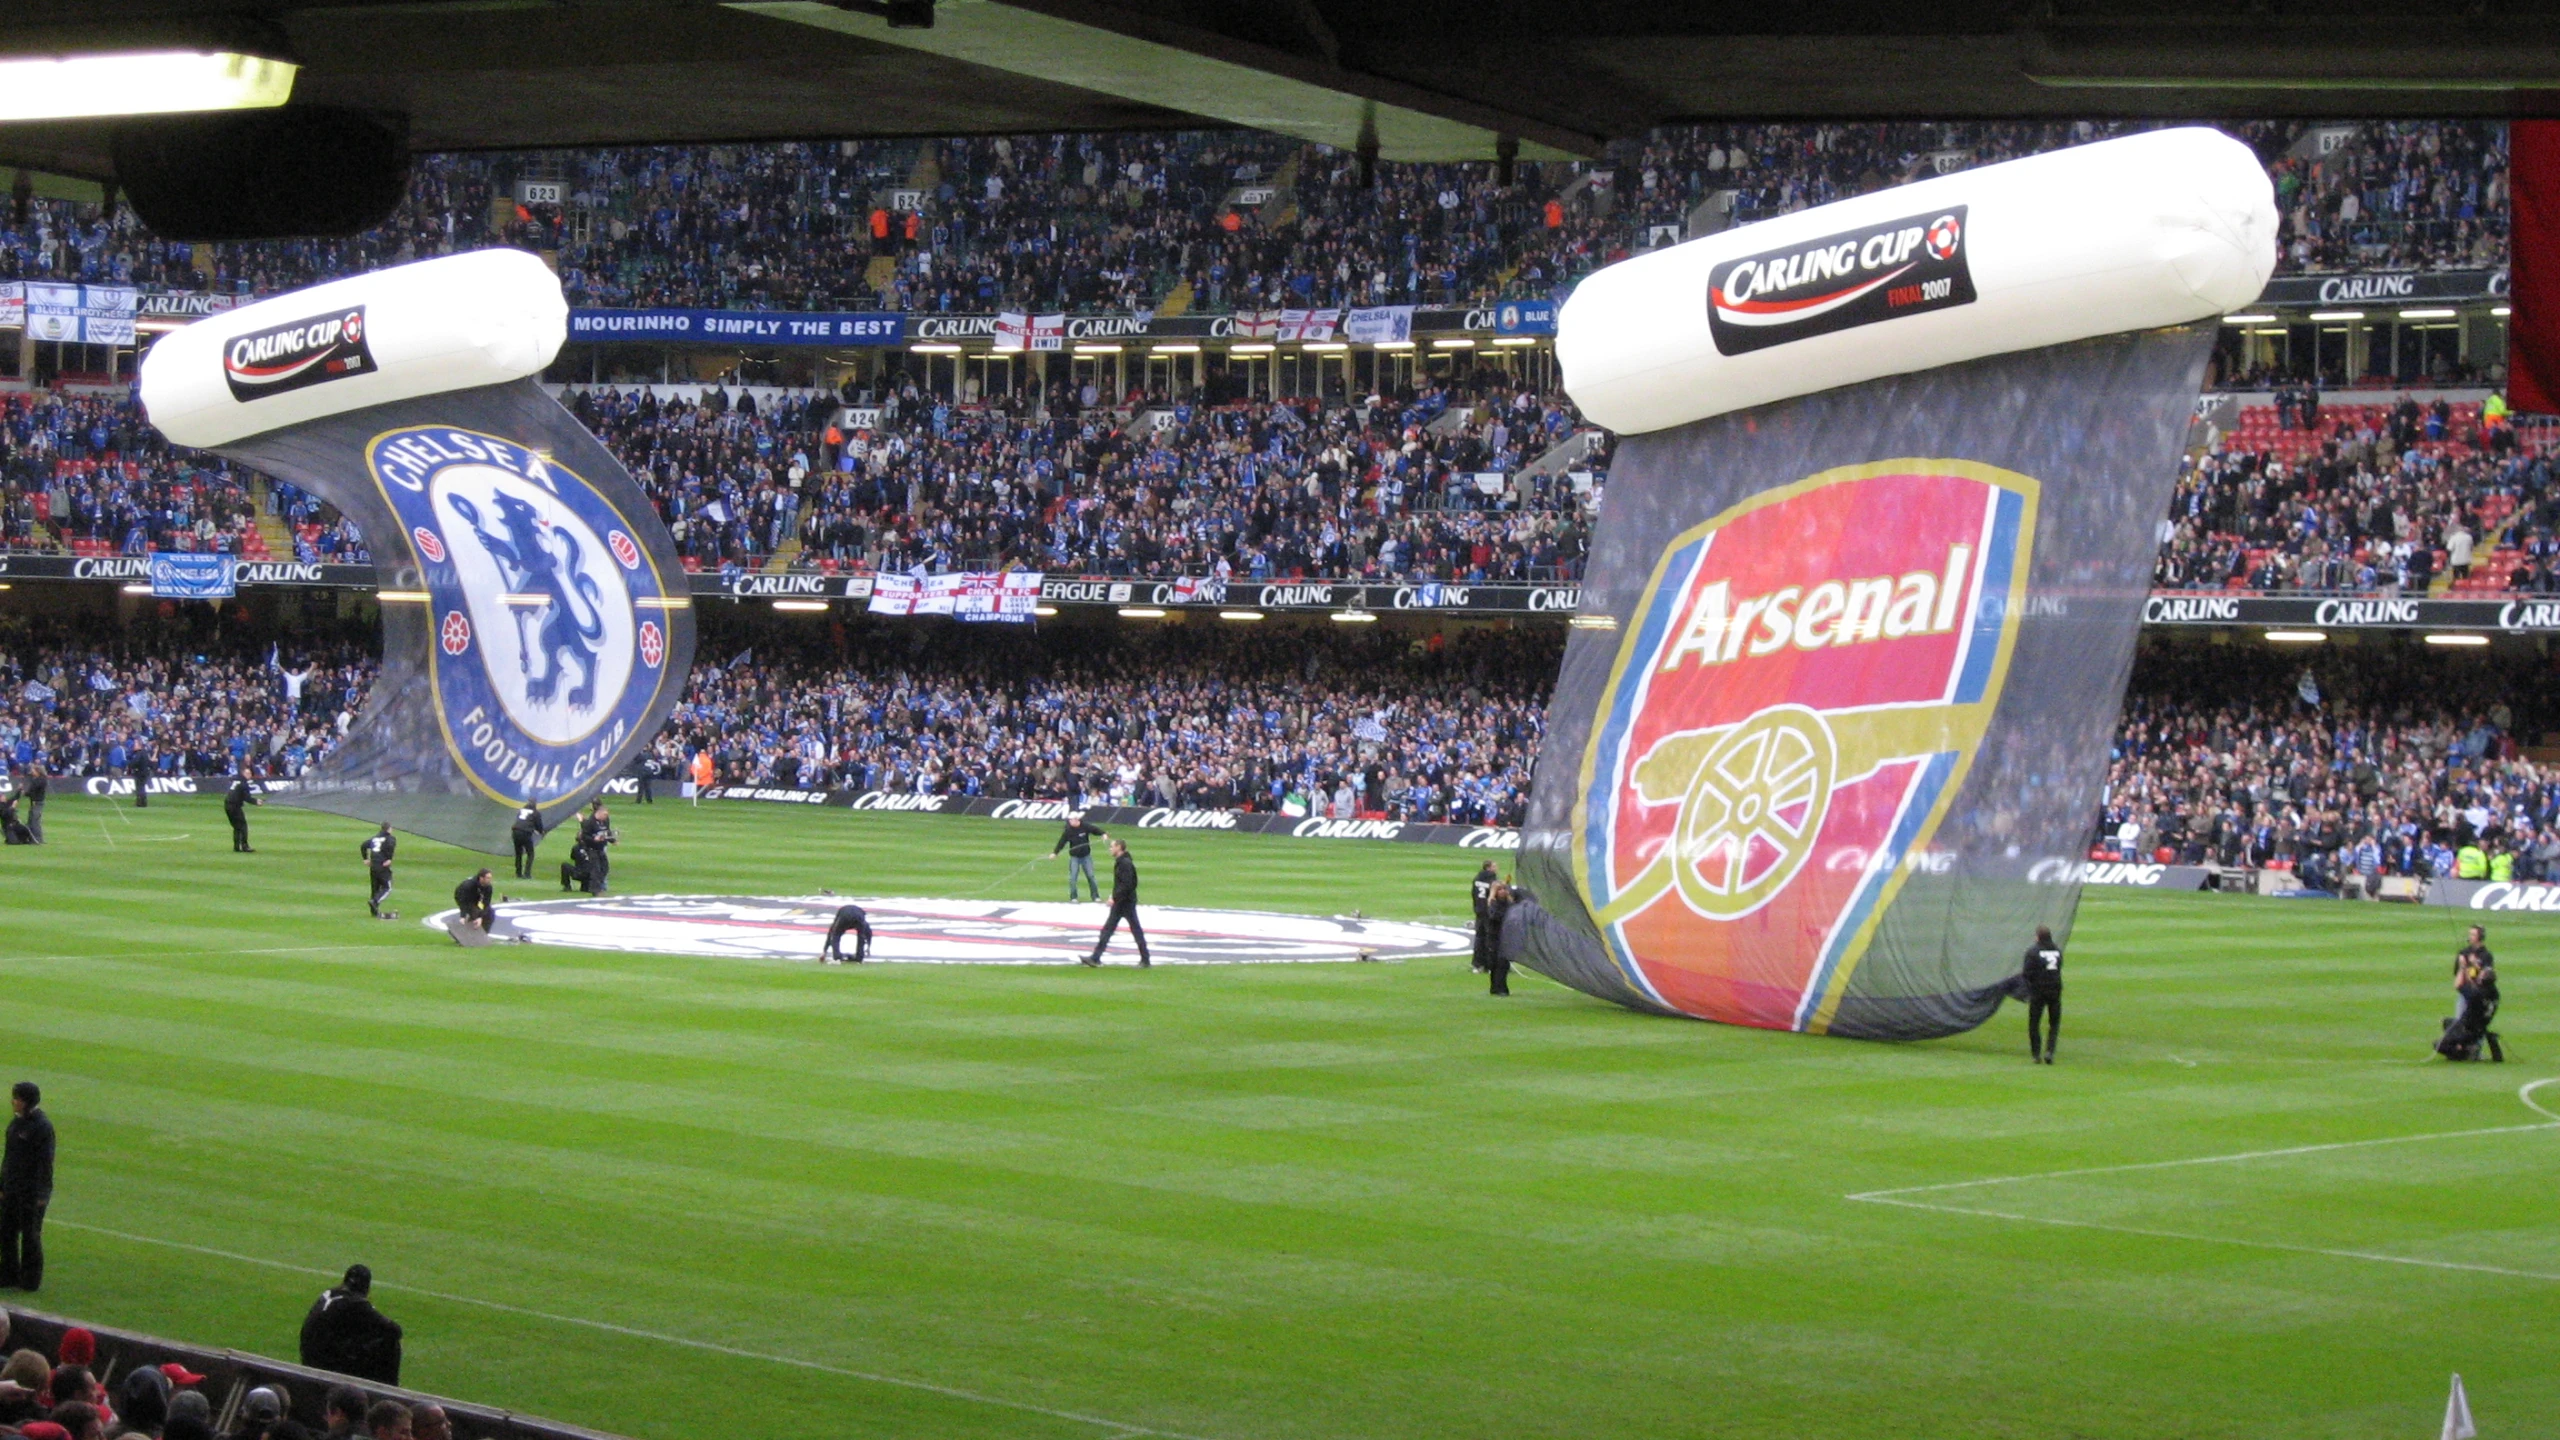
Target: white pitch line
column 2524, row 1093
column 1117, row 1428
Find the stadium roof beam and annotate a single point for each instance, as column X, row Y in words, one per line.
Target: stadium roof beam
column 1203, row 72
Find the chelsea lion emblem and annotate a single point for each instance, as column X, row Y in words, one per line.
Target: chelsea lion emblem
column 549, row 620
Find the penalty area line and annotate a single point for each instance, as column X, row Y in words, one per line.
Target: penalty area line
column 1116, row 1428
column 2524, row 1094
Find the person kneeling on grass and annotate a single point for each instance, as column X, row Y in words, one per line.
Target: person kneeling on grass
column 471, row 897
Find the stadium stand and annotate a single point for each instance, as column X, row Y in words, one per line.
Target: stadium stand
column 2378, row 762
column 2408, row 497
column 115, row 1367
column 1124, row 222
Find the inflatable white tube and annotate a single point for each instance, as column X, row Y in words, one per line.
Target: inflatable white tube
column 447, row 324
column 2132, row 234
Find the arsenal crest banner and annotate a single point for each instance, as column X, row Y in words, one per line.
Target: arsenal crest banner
column 1847, row 665
column 537, row 625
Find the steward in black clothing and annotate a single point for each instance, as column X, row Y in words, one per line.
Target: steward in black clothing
column 2042, row 977
column 472, row 898
column 377, row 850
column 528, row 833
column 1489, row 937
column 26, row 1187
column 345, row 1334
column 588, row 864
column 1077, row 840
column 235, row 808
column 848, row 917
column 13, row 831
column 1124, row 906
column 36, row 789
column 1487, row 881
column 2475, row 980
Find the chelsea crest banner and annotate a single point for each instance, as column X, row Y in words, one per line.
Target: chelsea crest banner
column 1861, row 609
column 537, row 629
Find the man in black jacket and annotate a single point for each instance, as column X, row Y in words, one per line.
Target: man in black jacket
column 2042, row 976
column 472, row 897
column 855, row 919
column 1488, row 933
column 1077, row 840
column 36, row 789
column 26, row 1187
column 235, row 808
column 1124, row 906
column 377, row 851
column 527, row 832
column 345, row 1334
column 1489, row 937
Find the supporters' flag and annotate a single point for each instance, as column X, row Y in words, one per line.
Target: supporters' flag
column 1378, row 325
column 1199, row 590
column 1254, row 324
column 1306, row 324
column 2457, row 1414
column 36, row 691
column 743, row 657
column 537, row 627
column 1012, row 595
column 1835, row 715
column 1013, row 331
column 1048, row 332
column 2533, row 330
column 1369, row 728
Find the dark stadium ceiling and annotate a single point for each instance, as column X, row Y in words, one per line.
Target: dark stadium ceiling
column 1424, row 79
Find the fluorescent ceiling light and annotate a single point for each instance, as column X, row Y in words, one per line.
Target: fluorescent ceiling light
column 1044, row 609
column 2499, row 310
column 1326, row 347
column 1097, row 349
column 1177, row 349
column 153, row 82
column 1515, row 340
column 1395, row 344
column 1239, row 614
column 935, row 349
column 1593, row 622
column 799, row 604
column 2337, row 314
column 1355, row 617
column 2246, row 319
column 1461, row 343
column 141, row 589
column 1140, row 612
column 1249, row 349
column 2428, row 314
column 2457, row 639
column 2299, row 637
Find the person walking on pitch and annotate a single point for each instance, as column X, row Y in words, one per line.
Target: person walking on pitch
column 235, row 808
column 2042, row 974
column 1124, row 906
column 527, row 833
column 848, row 917
column 377, row 851
column 1489, row 938
column 1077, row 840
column 1488, row 933
column 26, row 1188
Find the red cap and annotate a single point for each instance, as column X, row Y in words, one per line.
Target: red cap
column 79, row 1347
column 180, row 1375
column 44, row 1430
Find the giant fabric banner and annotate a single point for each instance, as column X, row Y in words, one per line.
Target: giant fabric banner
column 537, row 623
column 1861, row 609
column 1803, row 782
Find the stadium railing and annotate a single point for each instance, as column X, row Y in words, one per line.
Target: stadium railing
column 229, row 1375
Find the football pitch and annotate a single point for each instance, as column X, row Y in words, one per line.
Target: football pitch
column 675, row 1196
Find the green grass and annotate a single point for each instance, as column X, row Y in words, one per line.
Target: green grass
column 1253, row 1203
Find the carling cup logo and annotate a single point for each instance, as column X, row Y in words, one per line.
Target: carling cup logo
column 1808, row 676
column 550, row 642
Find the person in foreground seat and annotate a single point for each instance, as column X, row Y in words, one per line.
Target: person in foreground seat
column 344, row 1333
